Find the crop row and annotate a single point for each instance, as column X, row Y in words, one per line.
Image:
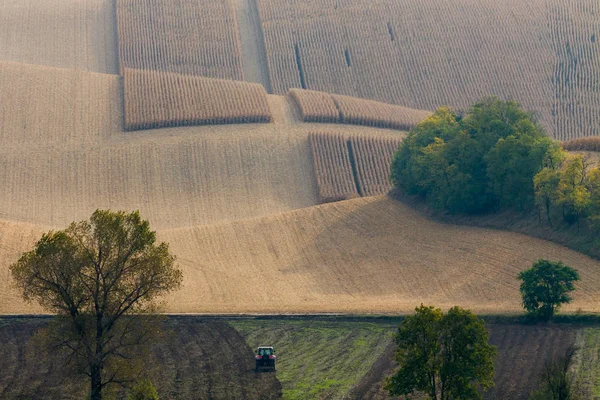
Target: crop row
column 323, row 107
column 349, row 167
column 335, row 179
column 544, row 54
column 160, row 99
column 372, row 159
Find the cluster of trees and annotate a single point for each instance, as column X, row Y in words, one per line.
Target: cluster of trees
column 482, row 161
column 446, row 356
column 570, row 187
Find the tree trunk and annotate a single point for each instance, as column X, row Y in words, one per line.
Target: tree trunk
column 96, row 381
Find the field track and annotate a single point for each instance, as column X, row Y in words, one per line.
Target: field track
column 60, row 33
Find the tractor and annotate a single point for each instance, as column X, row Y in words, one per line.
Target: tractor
column 265, row 359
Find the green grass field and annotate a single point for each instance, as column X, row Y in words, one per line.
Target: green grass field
column 588, row 361
column 319, row 359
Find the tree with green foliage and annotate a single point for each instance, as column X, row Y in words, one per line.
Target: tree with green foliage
column 573, row 194
column 473, row 163
column 545, row 186
column 143, row 390
column 101, row 278
column 447, row 356
column 546, row 286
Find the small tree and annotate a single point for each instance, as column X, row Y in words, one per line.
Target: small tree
column 96, row 276
column 445, row 356
column 545, row 286
column 558, row 381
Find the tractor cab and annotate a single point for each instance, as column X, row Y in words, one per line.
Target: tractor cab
column 265, row 359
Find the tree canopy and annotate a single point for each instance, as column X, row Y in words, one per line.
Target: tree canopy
column 95, row 275
column 483, row 160
column 546, row 286
column 446, row 356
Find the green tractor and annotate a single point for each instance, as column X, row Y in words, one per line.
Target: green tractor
column 265, row 359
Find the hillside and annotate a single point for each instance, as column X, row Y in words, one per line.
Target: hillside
column 542, row 53
column 367, row 255
column 72, row 34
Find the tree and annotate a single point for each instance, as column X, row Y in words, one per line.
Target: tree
column 558, row 380
column 102, row 279
column 573, row 193
column 546, row 286
column 143, row 390
column 445, row 356
column 545, row 186
column 473, row 163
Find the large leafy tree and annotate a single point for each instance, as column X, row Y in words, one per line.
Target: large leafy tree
column 446, row 356
column 101, row 278
column 546, row 286
column 476, row 162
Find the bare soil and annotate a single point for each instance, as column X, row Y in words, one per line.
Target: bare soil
column 199, row 360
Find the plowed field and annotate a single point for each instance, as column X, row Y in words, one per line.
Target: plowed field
column 201, row 360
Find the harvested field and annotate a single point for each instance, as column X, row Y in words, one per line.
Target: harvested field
column 372, row 159
column 422, row 55
column 315, row 106
column 60, row 33
column 380, row 115
column 180, row 36
column 43, row 106
column 333, row 167
column 368, row 255
column 185, row 178
column 159, row 99
column 201, row 360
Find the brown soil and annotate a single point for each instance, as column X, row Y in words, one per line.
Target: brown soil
column 200, row 360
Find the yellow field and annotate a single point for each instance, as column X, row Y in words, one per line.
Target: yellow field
column 425, row 54
column 60, row 33
column 363, row 255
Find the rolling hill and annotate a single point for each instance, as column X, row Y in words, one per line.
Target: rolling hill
column 367, row 255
